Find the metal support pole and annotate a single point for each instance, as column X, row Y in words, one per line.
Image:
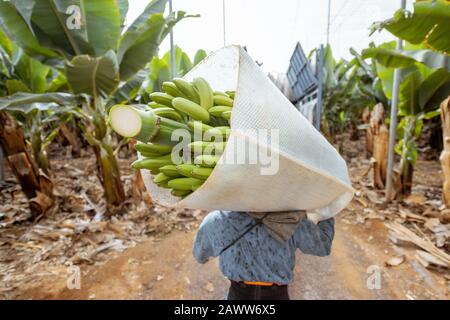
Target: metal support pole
column 328, row 21
column 319, row 89
column 224, row 24
column 393, row 125
column 172, row 48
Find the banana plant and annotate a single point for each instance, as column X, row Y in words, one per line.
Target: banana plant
column 428, row 25
column 159, row 70
column 424, row 84
column 349, row 87
column 87, row 42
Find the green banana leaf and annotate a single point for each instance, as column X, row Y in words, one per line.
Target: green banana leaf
column 94, row 76
column 13, row 24
column 25, row 102
column 404, row 58
column 429, row 24
column 129, row 90
column 77, row 27
column 199, row 56
column 141, row 40
column 15, row 86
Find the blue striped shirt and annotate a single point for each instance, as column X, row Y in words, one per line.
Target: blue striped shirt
column 258, row 256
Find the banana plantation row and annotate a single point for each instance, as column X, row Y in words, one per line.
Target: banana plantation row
column 55, row 80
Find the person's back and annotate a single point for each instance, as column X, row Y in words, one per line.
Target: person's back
column 258, row 261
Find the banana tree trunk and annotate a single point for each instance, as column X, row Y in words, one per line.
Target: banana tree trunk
column 72, row 139
column 380, row 154
column 36, row 185
column 108, row 168
column 109, row 175
column 407, row 162
column 139, row 191
column 378, row 139
column 445, row 155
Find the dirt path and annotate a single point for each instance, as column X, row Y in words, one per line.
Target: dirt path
column 167, row 270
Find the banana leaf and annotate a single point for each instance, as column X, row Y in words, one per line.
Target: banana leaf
column 25, row 102
column 429, row 24
column 404, row 58
column 95, row 76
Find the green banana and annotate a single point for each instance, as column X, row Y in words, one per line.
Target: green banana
column 152, row 163
column 181, row 193
column 201, row 173
column 218, row 110
column 223, row 101
column 220, row 93
column 164, row 185
column 205, row 93
column 216, row 132
column 156, row 105
column 149, row 154
column 199, row 146
column 219, row 147
column 162, row 98
column 207, row 161
column 186, row 170
column 191, row 108
column 161, row 178
column 153, row 148
column 231, row 94
column 171, row 89
column 185, row 184
column 226, row 115
column 170, row 171
column 187, row 89
column 168, row 113
column 198, row 126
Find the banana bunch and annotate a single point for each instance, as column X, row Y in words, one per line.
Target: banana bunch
column 182, row 104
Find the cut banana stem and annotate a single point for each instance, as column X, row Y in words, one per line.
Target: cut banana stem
column 204, row 92
column 131, row 122
column 144, row 126
column 187, row 89
column 192, row 109
column 162, row 98
column 223, row 101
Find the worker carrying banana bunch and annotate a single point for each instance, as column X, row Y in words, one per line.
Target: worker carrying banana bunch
column 257, row 250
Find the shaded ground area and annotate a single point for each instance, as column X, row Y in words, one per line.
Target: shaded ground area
column 166, row 270
column 145, row 251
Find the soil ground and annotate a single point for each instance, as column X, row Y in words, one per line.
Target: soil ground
column 158, row 264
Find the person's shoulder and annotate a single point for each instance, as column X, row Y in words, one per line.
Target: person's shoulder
column 219, row 217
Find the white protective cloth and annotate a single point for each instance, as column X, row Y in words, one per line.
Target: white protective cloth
column 312, row 175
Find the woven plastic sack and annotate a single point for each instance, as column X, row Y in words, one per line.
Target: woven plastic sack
column 311, row 174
